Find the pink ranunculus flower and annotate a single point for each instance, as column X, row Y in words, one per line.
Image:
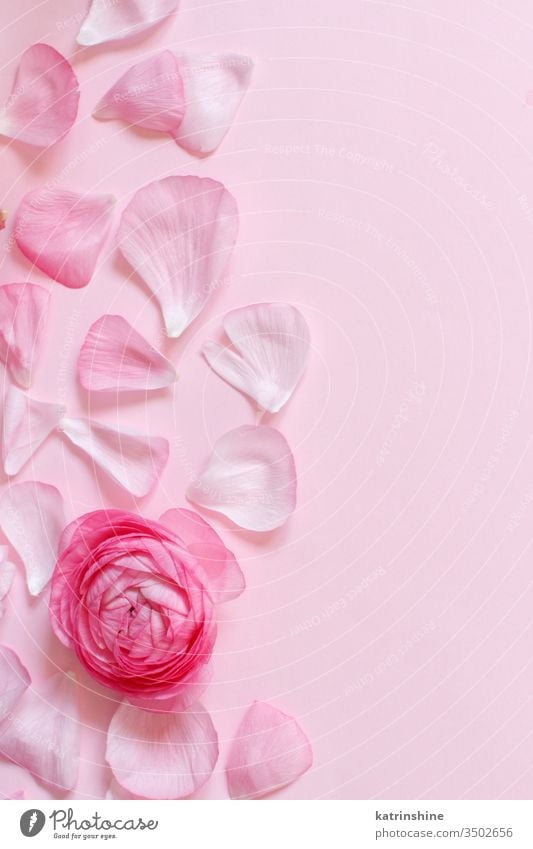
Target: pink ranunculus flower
column 135, row 600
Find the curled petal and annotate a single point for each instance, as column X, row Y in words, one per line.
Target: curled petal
column 133, row 460
column 43, row 103
column 149, row 95
column 32, row 517
column 112, row 21
column 271, row 343
column 43, row 733
column 250, row 478
column 178, row 234
column 214, row 86
column 63, row 232
column 116, row 357
column 26, row 425
column 7, row 573
column 23, row 308
column 161, row 755
column 14, row 680
column 221, row 574
column 270, row 750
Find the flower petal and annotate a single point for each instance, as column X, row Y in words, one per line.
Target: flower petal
column 251, row 478
column 32, row 517
column 114, row 356
column 269, row 751
column 161, row 755
column 271, row 344
column 43, row 104
column 14, row 680
column 7, row 573
column 149, row 95
column 63, row 232
column 133, row 460
column 222, row 576
column 26, row 425
column 23, row 308
column 111, row 21
column 214, row 86
column 178, row 234
column 43, row 733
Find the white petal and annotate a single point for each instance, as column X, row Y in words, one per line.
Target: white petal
column 116, row 357
column 161, row 755
column 26, row 425
column 250, row 478
column 112, row 20
column 32, row 516
column 7, row 573
column 14, row 681
column 178, row 234
column 42, row 734
column 133, row 460
column 271, row 343
column 214, row 85
column 270, row 750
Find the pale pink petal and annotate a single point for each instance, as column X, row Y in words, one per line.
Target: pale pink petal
column 161, row 755
column 17, row 794
column 190, row 693
column 214, row 86
column 43, row 733
column 149, row 95
column 14, row 680
column 251, row 478
column 43, row 103
column 26, row 425
column 7, row 573
column 222, row 575
column 111, row 20
column 32, row 516
column 270, row 750
column 3, row 218
column 23, row 308
column 178, row 234
column 114, row 356
column 271, row 346
column 133, row 460
column 63, row 232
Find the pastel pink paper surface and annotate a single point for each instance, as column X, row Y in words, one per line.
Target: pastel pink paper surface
column 43, row 103
column 381, row 164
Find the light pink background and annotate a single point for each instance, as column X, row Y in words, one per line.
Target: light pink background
column 383, row 167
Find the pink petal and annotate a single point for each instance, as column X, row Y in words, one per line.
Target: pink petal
column 115, row 356
column 178, row 234
column 161, row 755
column 149, row 95
column 43, row 733
column 26, row 425
column 222, row 576
column 269, row 751
column 3, row 218
column 133, row 460
column 63, row 232
column 7, row 573
column 109, row 20
column 271, row 343
column 190, row 693
column 214, row 86
column 23, row 308
column 43, row 103
column 251, row 478
column 32, row 517
column 14, row 680
column 17, row 794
